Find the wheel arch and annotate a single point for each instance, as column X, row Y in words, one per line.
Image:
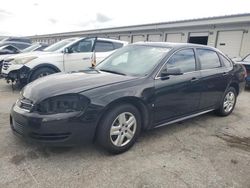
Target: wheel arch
column 47, row 65
column 235, row 86
column 136, row 102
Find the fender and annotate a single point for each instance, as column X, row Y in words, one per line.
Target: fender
column 55, row 68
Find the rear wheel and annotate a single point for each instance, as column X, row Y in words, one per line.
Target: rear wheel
column 41, row 72
column 228, row 103
column 119, row 128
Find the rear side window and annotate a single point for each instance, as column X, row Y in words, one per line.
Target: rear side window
column 208, row 59
column 102, row 46
column 184, row 60
column 226, row 62
column 117, row 45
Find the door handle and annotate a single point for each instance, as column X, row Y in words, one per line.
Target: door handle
column 225, row 73
column 194, row 79
column 86, row 58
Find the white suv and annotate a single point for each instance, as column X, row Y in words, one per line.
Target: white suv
column 75, row 56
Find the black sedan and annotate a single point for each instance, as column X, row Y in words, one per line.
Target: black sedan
column 139, row 87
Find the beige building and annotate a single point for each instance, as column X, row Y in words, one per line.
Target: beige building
column 230, row 34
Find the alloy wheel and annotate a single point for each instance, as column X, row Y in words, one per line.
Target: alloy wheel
column 43, row 74
column 123, row 129
column 229, row 101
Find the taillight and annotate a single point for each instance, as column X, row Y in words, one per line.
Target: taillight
column 245, row 71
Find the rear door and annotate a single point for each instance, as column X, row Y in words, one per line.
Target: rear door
column 214, row 78
column 178, row 95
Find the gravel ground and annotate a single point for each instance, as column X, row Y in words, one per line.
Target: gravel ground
column 206, row 151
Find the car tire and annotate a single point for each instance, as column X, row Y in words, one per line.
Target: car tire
column 228, row 102
column 41, row 72
column 119, row 128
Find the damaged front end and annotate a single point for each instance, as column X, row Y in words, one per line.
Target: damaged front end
column 20, row 75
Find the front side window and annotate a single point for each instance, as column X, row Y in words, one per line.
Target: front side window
column 184, row 60
column 208, row 59
column 134, row 60
column 82, row 46
column 102, row 46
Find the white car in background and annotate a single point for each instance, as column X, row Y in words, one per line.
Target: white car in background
column 74, row 56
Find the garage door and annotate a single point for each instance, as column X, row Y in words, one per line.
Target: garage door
column 154, row 38
column 229, row 42
column 125, row 38
column 138, row 38
column 176, row 37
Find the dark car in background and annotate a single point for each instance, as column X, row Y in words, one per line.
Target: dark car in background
column 17, row 39
column 9, row 49
column 139, row 87
column 19, row 42
column 246, row 63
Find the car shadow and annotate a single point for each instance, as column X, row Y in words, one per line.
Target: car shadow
column 91, row 150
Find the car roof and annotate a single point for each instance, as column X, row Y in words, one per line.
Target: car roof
column 113, row 40
column 173, row 45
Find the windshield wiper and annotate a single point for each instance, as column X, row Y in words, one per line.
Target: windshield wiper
column 111, row 71
column 90, row 69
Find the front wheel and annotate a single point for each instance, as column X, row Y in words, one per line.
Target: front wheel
column 228, row 103
column 119, row 128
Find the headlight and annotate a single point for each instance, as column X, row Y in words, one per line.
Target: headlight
column 62, row 104
column 23, row 60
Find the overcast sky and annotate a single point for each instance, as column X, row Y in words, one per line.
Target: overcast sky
column 31, row 17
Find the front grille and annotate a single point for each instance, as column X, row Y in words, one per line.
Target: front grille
column 19, row 128
column 6, row 65
column 25, row 104
column 51, row 137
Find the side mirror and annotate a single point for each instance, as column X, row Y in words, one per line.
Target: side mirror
column 171, row 71
column 67, row 50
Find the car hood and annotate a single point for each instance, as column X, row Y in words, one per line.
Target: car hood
column 5, row 56
column 27, row 54
column 61, row 83
column 243, row 62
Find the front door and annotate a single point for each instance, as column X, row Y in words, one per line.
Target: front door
column 178, row 95
column 79, row 55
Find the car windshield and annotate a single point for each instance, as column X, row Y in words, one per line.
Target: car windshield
column 31, row 48
column 247, row 58
column 134, row 60
column 3, row 47
column 58, row 45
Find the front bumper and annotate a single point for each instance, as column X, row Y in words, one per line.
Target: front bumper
column 54, row 130
column 20, row 74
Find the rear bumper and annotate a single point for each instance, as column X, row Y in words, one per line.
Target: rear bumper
column 248, row 81
column 56, row 130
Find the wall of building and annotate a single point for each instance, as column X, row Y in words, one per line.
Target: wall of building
column 218, row 31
